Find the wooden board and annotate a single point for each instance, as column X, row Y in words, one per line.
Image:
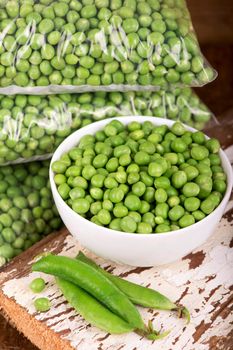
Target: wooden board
column 202, row 281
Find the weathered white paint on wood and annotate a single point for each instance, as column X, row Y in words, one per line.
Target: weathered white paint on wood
column 202, row 282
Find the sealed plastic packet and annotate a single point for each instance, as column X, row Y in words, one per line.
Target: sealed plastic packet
column 31, row 127
column 27, row 209
column 49, row 46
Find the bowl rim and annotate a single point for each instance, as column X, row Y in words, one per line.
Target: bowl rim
column 126, row 120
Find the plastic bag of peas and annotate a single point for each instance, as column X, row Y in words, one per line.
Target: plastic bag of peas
column 31, row 127
column 27, row 210
column 49, row 46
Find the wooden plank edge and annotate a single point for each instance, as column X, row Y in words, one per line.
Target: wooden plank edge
column 35, row 331
column 48, row 243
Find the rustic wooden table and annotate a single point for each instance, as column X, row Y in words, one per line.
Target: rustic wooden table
column 202, row 281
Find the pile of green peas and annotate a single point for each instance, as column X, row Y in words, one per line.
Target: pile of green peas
column 33, row 126
column 27, row 210
column 141, row 177
column 147, row 43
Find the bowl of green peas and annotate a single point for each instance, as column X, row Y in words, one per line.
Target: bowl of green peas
column 141, row 191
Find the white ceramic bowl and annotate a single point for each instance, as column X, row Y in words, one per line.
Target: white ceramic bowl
column 128, row 248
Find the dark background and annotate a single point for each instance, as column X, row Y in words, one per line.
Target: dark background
column 213, row 22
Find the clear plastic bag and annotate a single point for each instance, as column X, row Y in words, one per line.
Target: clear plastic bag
column 27, row 209
column 31, row 127
column 49, row 46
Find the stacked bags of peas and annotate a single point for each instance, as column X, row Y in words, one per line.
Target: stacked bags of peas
column 32, row 127
column 96, row 49
column 70, row 45
column 27, row 210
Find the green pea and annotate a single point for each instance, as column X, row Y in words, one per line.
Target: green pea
column 96, row 193
column 160, row 195
column 116, row 195
column 191, row 189
column 42, row 304
column 191, row 172
column 162, row 228
column 79, row 181
column 186, row 220
column 138, row 188
column 144, row 227
column 146, row 178
column 205, row 184
column 198, row 137
column 107, row 204
column 178, row 129
column 144, row 207
column 178, row 145
column 104, row 216
column 8, row 235
column 128, row 224
column 77, row 192
column 149, row 218
column 199, row 152
column 161, row 210
column 6, row 251
column 198, row 215
column 37, row 285
column 80, row 205
column 220, row 186
column 95, row 207
column 176, row 213
column 179, row 179
column 132, row 202
column 213, row 145
column 173, row 201
column 172, row 191
column 115, row 224
column 120, row 210
column 155, row 169
column 162, row 182
column 64, row 190
column 121, row 177
column 133, row 178
column 192, row 204
column 59, row 167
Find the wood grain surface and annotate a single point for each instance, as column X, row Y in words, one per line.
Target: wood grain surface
column 202, row 281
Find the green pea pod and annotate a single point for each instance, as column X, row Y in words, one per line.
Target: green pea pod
column 139, row 295
column 93, row 282
column 92, row 310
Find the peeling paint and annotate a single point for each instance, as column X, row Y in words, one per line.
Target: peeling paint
column 202, row 281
